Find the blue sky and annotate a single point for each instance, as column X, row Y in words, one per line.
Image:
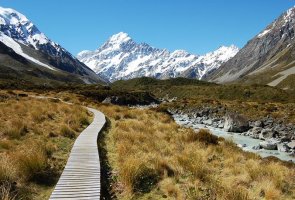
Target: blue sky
column 198, row 26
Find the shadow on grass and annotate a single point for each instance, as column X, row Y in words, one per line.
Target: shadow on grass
column 106, row 192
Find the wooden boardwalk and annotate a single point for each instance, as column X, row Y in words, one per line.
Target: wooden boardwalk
column 81, row 176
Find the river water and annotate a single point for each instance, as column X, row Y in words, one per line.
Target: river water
column 244, row 142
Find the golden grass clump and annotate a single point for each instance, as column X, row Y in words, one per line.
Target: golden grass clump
column 7, row 170
column 32, row 162
column 6, row 192
column 15, row 129
column 67, row 132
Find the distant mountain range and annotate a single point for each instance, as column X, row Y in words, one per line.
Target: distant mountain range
column 40, row 57
column 27, row 54
column 122, row 58
column 268, row 58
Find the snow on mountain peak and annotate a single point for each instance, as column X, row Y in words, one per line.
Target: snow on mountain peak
column 122, row 58
column 18, row 27
column 117, row 40
column 289, row 15
column 226, row 52
column 179, row 53
column 21, row 29
column 120, row 37
column 10, row 16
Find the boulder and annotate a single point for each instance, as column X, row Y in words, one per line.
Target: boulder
column 286, row 137
column 221, row 125
column 107, row 100
column 283, row 147
column 199, row 120
column 254, row 132
column 266, row 134
column 258, row 124
column 269, row 121
column 208, row 122
column 236, row 123
column 270, row 144
column 291, row 145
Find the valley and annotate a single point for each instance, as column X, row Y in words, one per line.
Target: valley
column 133, row 121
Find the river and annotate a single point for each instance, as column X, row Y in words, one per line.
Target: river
column 246, row 143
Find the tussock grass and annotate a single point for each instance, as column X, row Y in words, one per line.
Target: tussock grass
column 67, row 132
column 5, row 192
column 7, row 170
column 16, row 129
column 153, row 158
column 36, row 136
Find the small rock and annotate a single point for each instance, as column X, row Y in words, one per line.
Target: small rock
column 242, row 145
column 256, row 147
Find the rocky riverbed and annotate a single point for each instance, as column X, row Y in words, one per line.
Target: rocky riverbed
column 266, row 136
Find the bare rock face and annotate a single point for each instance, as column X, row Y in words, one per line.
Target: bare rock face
column 236, row 123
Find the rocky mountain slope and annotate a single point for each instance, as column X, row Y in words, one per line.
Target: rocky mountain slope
column 25, row 39
column 268, row 58
column 122, row 58
column 18, row 68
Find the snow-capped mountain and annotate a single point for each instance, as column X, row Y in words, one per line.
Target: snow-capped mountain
column 20, row 34
column 122, row 58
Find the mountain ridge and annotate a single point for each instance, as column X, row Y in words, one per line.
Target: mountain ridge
column 120, row 57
